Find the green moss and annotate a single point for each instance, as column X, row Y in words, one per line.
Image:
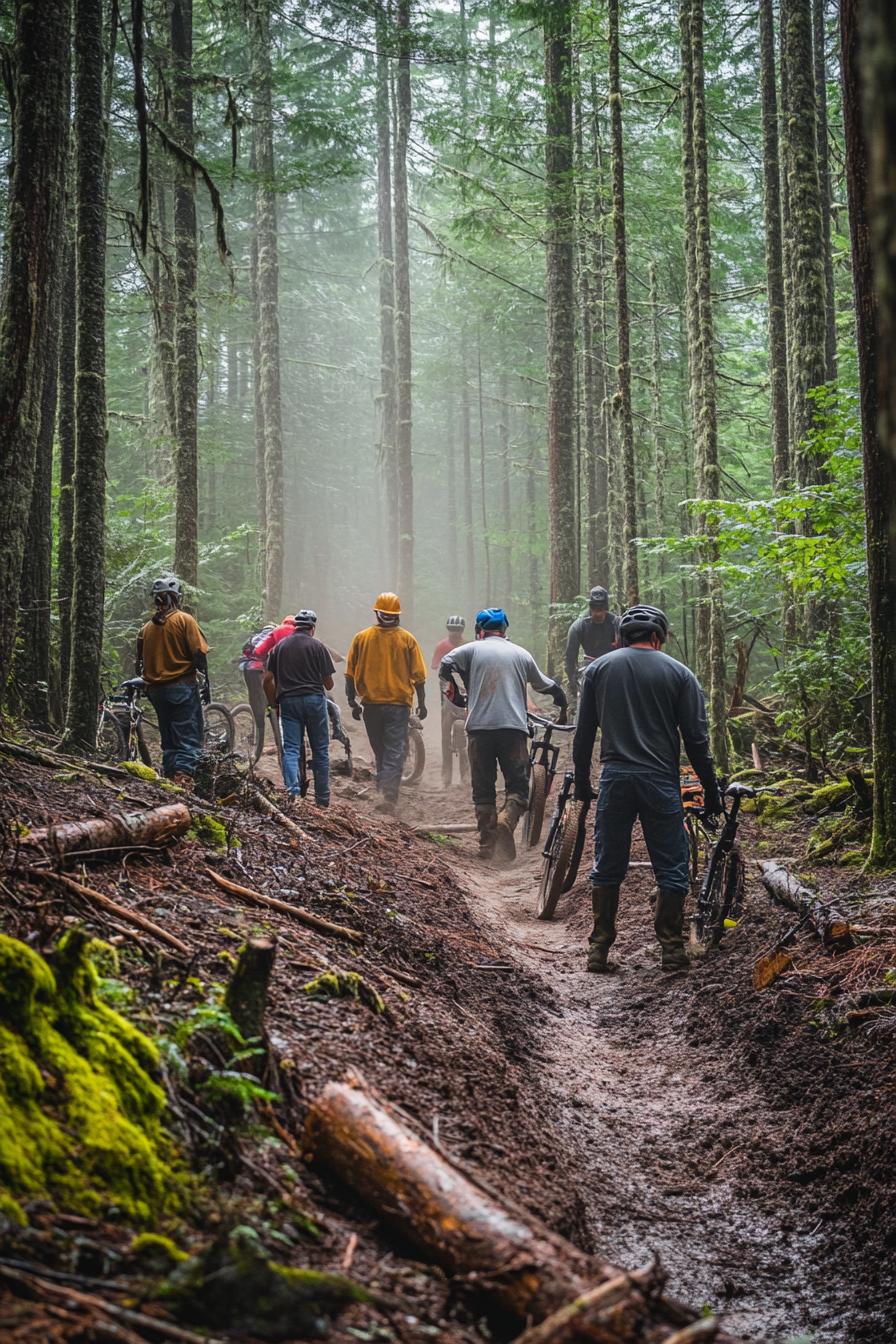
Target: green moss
column 80, row 1116
column 336, row 984
column 157, row 1254
column 853, row 858
column 140, row 771
column 11, row 1210
column 235, row 1287
column 209, row 831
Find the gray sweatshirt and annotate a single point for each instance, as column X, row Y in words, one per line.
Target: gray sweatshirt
column 641, row 699
column 495, row 673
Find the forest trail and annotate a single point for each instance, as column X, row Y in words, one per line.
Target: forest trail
column 650, row 1115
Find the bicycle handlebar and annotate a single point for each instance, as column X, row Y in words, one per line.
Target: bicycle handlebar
column 545, row 722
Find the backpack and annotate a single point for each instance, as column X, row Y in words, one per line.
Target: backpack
column 248, row 659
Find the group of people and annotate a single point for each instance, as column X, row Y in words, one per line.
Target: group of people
column 644, row 703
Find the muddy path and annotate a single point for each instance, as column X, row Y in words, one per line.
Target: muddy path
column 678, row 1147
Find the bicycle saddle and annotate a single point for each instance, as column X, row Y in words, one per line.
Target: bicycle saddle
column 740, row 791
column 135, row 684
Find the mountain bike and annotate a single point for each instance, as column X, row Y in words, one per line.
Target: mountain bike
column 415, row 755
column 563, row 848
column 720, row 898
column 249, row 742
column 126, row 731
column 543, row 755
column 459, row 748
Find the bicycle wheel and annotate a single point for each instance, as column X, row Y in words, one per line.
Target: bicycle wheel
column 247, row 741
column 693, row 846
column 348, row 765
column 219, row 730
column 578, row 849
column 533, row 822
column 709, row 918
column 459, row 744
column 558, row 863
column 415, row 757
column 732, row 893
column 111, row 743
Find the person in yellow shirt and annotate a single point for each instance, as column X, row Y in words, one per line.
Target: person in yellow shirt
column 171, row 649
column 384, row 669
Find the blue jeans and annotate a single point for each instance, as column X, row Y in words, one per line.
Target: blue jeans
column 387, row 732
column 301, row 714
column 627, row 794
column 181, row 725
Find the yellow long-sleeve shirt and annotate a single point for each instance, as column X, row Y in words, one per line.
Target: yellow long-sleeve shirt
column 385, row 664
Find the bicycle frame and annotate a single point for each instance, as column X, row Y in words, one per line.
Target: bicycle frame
column 543, row 751
column 562, row 799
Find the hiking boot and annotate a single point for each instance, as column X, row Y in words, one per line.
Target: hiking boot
column 669, row 912
column 183, row 780
column 487, row 821
column 604, row 905
column 508, row 818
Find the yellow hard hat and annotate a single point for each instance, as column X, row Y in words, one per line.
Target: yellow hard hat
column 388, row 603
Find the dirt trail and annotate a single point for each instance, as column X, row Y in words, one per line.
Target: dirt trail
column 651, row 1115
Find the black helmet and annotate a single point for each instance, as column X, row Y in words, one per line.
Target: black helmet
column 641, row 622
column 599, row 598
column 169, row 585
column 305, row 619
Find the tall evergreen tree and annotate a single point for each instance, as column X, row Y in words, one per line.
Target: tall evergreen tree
column 386, row 447
column 774, row 249
column 403, row 432
column 186, row 327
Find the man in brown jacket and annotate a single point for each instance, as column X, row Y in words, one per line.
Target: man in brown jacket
column 171, row 649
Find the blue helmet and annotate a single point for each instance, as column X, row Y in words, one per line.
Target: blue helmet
column 492, row 618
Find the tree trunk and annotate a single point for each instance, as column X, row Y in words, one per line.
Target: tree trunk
column 623, row 397
column 246, row 997
column 403, row 429
column 590, row 409
column 561, row 333
column 32, row 244
column 707, row 429
column 824, row 184
column 659, row 436
column 66, row 433
column 806, row 343
column 879, row 465
column 506, row 525
column 489, row 596
column 386, row 448
column 89, row 482
column 466, row 453
column 599, row 565
column 164, row 364
column 267, row 315
column 186, row 533
column 774, row 251
column 261, row 500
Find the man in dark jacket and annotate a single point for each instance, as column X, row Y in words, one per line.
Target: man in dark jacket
column 298, row 675
column 595, row 634
column 645, row 704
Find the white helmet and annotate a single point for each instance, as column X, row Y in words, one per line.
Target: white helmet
column 455, row 623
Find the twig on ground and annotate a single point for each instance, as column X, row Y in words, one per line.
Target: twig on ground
column 303, row 916
column 97, row 898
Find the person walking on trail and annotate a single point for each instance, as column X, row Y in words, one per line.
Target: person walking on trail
column 595, row 634
column 645, row 704
column 496, row 674
column 384, row 669
column 252, row 668
column 283, row 631
column 451, row 711
column 171, row 650
column 298, row 675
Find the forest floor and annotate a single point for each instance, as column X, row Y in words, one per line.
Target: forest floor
column 746, row 1137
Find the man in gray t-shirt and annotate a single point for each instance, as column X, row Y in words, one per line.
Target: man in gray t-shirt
column 496, row 674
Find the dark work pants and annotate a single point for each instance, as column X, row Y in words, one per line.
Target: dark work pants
column 181, row 725
column 258, row 701
column 627, row 795
column 387, row 732
column 507, row 747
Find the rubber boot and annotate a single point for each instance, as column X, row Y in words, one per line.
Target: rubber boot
column 667, row 927
column 487, row 821
column 508, row 819
column 604, row 904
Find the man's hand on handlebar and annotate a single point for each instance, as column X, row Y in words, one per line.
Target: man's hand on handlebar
column 563, row 716
column 583, row 793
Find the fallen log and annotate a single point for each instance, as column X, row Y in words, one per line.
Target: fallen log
column 158, row 826
column 832, row 927
column 104, row 903
column 524, row 1267
column 270, row 810
column 303, row 916
column 56, row 761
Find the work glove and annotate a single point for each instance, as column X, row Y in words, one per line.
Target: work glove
column 422, row 712
column 712, row 800
column 356, row 711
column 583, row 793
column 205, row 692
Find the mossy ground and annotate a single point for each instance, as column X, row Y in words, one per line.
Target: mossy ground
column 80, row 1114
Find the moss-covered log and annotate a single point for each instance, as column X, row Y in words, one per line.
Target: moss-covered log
column 155, row 827
column 525, row 1269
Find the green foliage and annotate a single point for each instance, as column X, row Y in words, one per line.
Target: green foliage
column 80, row 1115
column 209, row 831
column 231, row 1089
